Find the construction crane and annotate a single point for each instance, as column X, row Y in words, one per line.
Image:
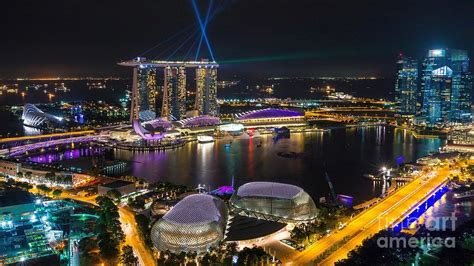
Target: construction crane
column 331, row 187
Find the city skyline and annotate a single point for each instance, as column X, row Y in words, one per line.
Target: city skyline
column 236, row 132
column 324, row 39
column 435, row 89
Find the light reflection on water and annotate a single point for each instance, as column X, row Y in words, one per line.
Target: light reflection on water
column 346, row 154
column 447, row 207
column 63, row 155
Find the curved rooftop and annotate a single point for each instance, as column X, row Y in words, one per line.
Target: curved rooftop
column 146, row 134
column 275, row 202
column 269, row 189
column 159, row 123
column 268, row 113
column 34, row 117
column 196, row 209
column 199, row 121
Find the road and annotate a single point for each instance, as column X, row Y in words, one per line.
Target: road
column 127, row 221
column 46, row 136
column 372, row 220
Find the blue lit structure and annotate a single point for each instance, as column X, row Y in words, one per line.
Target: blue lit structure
column 422, row 208
column 446, row 87
column 203, row 26
column 174, row 92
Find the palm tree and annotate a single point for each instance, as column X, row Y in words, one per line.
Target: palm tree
column 28, row 175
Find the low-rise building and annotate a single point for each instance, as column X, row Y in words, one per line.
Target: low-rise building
column 16, row 206
column 124, row 187
column 22, row 233
column 10, row 168
column 271, row 118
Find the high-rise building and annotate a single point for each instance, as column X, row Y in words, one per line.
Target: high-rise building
column 206, row 91
column 144, row 91
column 174, row 93
column 446, row 87
column 406, row 87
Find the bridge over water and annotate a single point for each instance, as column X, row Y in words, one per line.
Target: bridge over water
column 19, row 150
column 387, row 213
column 17, row 141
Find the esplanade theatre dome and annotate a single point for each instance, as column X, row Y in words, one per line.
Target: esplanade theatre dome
column 274, row 201
column 194, row 224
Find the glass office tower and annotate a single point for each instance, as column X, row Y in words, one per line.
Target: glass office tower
column 446, row 87
column 406, row 87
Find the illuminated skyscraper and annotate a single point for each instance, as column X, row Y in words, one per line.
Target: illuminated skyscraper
column 406, row 86
column 206, row 91
column 144, row 90
column 174, row 93
column 446, row 87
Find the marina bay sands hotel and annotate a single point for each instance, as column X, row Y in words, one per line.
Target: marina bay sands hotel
column 145, row 88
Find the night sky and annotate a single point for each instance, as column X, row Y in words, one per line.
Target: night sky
column 249, row 37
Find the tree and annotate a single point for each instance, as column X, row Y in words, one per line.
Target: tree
column 43, row 188
column 231, row 248
column 28, row 174
column 128, row 258
column 181, row 257
column 87, row 244
column 252, row 256
column 143, row 225
column 109, row 218
column 206, row 259
column 108, row 226
column 137, row 203
column 24, row 185
column 51, row 176
column 108, row 246
column 57, row 193
column 364, row 254
column 191, row 257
